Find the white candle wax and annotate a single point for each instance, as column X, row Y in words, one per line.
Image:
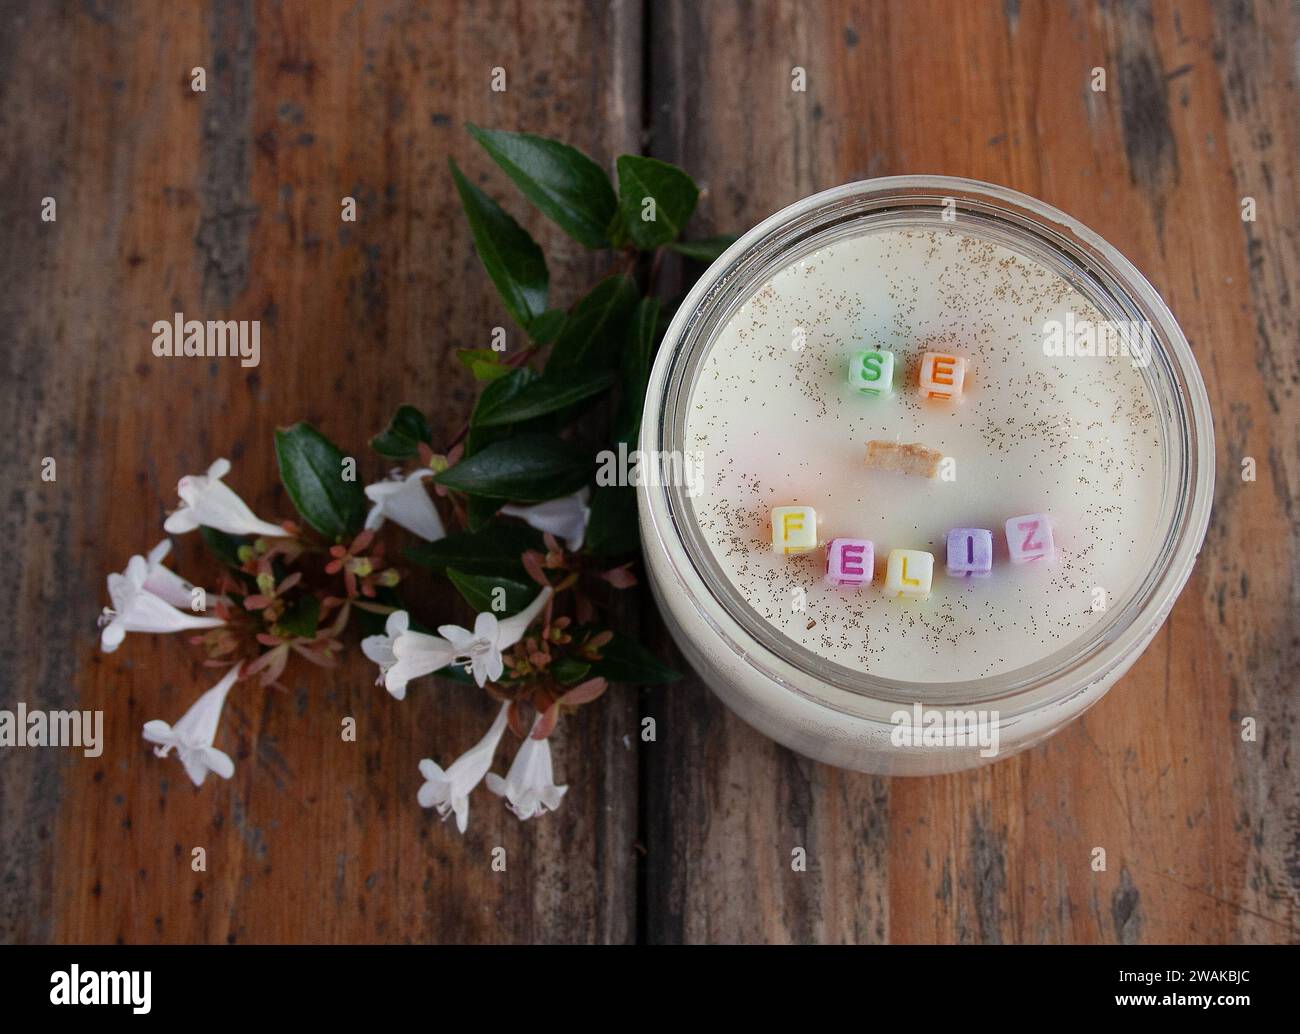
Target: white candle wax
column 774, row 422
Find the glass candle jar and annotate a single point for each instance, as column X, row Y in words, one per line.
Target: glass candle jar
column 1082, row 401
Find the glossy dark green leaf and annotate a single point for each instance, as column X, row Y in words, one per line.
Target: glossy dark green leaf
column 544, row 329
column 223, row 546
column 561, row 181
column 496, row 550
column 569, row 671
column 612, row 529
column 479, row 511
column 624, row 660
column 370, row 623
column 512, row 258
column 481, row 592
column 674, row 194
column 401, row 439
column 527, row 468
column 551, row 393
column 496, row 395
column 637, row 353
column 302, row 618
column 311, row 467
column 595, row 327
column 706, row 250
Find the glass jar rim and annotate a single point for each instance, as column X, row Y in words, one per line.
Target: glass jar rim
column 1064, row 244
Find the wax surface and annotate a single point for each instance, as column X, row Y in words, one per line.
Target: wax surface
column 777, row 425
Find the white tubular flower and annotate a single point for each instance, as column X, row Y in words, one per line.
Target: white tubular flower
column 162, row 581
column 403, row 655
column 206, row 500
column 529, row 787
column 192, row 736
column 406, row 502
column 565, row 518
column 136, row 609
column 480, row 651
column 449, row 791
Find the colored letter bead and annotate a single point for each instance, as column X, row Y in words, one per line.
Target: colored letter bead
column 942, row 375
column 794, row 529
column 909, row 572
column 872, row 372
column 970, row 551
column 850, row 562
column 1030, row 538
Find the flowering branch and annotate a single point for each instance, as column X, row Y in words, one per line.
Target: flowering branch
column 511, row 514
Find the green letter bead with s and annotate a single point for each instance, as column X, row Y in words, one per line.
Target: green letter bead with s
column 872, row 372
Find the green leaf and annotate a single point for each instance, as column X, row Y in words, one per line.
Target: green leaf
column 674, row 193
column 706, row 250
column 401, row 439
column 311, row 467
column 612, row 528
column 512, row 258
column 636, row 370
column 479, row 591
column 496, row 395
column 479, row 511
column 560, row 180
column 370, row 623
column 546, row 395
column 302, row 619
column 546, row 326
column 624, row 660
column 483, row 363
column 496, row 550
column 223, row 546
column 528, row 468
column 569, row 671
column 597, row 319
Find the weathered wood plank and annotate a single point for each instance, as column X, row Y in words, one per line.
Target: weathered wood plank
column 227, row 204
column 224, row 205
column 1199, row 827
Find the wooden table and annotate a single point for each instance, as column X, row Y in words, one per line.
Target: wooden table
column 226, row 204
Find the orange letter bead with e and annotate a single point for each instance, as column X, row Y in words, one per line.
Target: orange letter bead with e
column 942, row 375
column 794, row 529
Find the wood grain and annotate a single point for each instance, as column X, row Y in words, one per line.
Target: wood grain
column 225, row 205
column 1200, row 828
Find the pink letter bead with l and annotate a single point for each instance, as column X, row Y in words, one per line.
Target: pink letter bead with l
column 850, row 562
column 794, row 529
column 970, row 551
column 1030, row 538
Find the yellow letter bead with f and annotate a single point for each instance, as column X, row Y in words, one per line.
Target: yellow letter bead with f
column 794, row 529
column 909, row 572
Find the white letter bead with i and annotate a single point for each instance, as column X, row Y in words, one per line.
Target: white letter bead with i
column 909, row 572
column 794, row 529
column 1030, row 538
column 850, row 562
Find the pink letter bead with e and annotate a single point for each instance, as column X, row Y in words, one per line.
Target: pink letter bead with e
column 909, row 572
column 850, row 562
column 970, row 551
column 942, row 375
column 794, row 529
column 1030, row 538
